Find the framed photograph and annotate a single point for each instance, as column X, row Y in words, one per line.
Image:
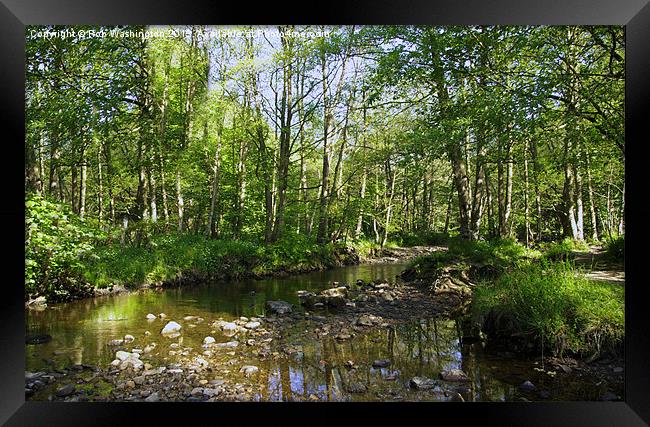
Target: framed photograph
column 424, row 206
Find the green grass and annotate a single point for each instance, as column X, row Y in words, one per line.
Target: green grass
column 563, row 249
column 558, row 305
column 500, row 253
column 168, row 256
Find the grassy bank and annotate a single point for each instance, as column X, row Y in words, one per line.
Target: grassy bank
column 66, row 258
column 537, row 296
column 496, row 255
column 556, row 306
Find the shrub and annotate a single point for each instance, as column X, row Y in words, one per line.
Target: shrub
column 615, row 248
column 56, row 242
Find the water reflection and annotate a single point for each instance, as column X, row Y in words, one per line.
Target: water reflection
column 416, row 349
column 81, row 329
column 324, row 369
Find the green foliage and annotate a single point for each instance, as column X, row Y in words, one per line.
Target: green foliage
column 169, row 256
column 556, row 303
column 56, row 243
column 422, row 239
column 615, row 248
column 563, row 250
column 500, row 254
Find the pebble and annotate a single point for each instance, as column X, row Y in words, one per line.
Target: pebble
column 153, row 397
column 151, row 316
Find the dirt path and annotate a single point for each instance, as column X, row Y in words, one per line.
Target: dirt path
column 598, row 267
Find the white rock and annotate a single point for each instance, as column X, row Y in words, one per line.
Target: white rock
column 129, row 338
column 171, row 328
column 252, row 325
column 249, row 370
column 122, row 355
column 151, row 316
column 229, row 326
column 208, row 340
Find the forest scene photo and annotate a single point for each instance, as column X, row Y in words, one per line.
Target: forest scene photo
column 324, row 213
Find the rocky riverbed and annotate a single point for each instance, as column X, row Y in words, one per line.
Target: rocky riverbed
column 236, row 359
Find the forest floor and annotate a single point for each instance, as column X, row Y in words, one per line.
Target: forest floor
column 597, row 266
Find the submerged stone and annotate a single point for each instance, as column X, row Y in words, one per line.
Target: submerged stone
column 171, row 328
column 278, row 307
column 422, row 383
column 454, row 375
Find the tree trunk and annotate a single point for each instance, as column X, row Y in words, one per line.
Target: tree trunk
column 82, row 184
column 590, row 192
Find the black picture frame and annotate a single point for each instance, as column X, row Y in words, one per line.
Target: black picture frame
column 16, row 14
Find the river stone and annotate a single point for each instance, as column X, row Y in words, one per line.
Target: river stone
column 208, row 340
column 171, row 328
column 278, row 307
column 252, row 325
column 527, row 386
column 151, row 316
column 229, row 344
column 116, row 363
column 210, row 392
column 129, row 338
column 381, row 363
column 153, row 397
column 122, row 355
column 201, row 361
column 454, row 375
column 229, row 327
column 189, row 318
column 367, row 320
column 249, row 370
column 422, row 383
column 139, row 380
column 162, row 315
column 33, row 375
column 66, row 390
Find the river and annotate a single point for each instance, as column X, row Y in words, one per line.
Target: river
column 323, row 369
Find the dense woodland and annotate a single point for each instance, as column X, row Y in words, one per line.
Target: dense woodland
column 338, row 133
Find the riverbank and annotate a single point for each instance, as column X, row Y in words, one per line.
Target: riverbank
column 184, row 260
column 537, row 303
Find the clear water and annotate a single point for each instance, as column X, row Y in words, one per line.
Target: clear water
column 81, row 330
